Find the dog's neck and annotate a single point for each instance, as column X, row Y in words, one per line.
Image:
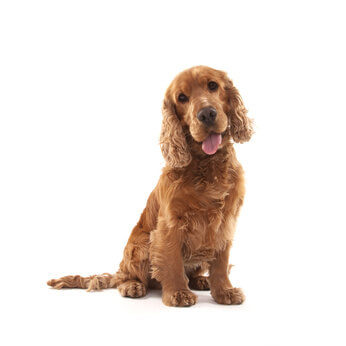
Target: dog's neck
column 221, row 168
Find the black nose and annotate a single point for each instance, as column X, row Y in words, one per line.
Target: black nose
column 207, row 116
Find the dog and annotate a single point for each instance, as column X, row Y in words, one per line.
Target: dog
column 183, row 237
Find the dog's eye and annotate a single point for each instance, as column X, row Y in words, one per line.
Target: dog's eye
column 212, row 86
column 183, row 98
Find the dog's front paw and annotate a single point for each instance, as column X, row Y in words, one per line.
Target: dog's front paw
column 230, row 296
column 180, row 298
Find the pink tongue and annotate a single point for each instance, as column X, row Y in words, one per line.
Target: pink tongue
column 211, row 143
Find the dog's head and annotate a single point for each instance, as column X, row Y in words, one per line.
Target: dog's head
column 203, row 109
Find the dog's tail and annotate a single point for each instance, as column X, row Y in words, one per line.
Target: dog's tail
column 91, row 283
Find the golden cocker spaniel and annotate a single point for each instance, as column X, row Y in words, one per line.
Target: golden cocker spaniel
column 187, row 227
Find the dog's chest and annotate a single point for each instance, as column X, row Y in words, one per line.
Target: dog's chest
column 206, row 223
column 205, row 198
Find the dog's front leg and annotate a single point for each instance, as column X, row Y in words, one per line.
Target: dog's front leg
column 168, row 268
column 220, row 286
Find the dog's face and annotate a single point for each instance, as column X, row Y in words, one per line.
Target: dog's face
column 203, row 103
column 200, row 98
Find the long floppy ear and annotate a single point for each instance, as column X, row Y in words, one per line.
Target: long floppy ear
column 172, row 139
column 241, row 124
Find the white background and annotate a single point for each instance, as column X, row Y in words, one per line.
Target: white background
column 81, row 88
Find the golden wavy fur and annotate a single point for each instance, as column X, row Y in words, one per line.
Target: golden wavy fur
column 187, row 227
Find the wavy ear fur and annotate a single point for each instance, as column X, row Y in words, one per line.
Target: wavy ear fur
column 172, row 139
column 241, row 124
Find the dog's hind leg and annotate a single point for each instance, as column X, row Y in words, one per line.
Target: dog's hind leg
column 133, row 277
column 198, row 279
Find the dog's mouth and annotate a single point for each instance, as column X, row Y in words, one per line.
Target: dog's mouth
column 211, row 144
